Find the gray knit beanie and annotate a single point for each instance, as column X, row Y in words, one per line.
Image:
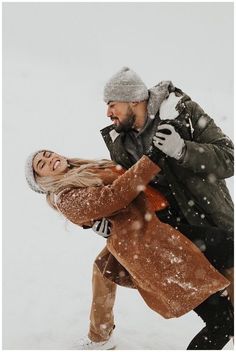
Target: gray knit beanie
column 125, row 86
column 30, row 175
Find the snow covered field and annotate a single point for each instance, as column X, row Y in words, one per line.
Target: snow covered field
column 56, row 60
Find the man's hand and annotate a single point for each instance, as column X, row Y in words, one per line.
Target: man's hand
column 102, row 227
column 169, row 141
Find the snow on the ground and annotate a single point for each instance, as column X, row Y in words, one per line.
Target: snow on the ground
column 47, row 304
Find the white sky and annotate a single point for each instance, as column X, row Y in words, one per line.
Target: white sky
column 56, row 59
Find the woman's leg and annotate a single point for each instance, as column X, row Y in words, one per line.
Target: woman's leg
column 217, row 313
column 101, row 315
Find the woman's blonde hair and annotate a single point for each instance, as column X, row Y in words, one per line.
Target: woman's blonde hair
column 80, row 174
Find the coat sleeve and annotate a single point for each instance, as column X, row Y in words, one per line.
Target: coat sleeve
column 81, row 205
column 211, row 151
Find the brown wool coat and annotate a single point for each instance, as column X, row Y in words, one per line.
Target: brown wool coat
column 169, row 271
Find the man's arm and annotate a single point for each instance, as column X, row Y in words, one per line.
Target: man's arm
column 211, row 151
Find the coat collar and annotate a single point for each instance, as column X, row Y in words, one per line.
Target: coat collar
column 115, row 145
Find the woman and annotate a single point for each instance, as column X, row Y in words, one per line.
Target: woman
column 168, row 270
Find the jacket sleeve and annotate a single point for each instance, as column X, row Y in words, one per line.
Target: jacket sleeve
column 211, row 151
column 81, row 205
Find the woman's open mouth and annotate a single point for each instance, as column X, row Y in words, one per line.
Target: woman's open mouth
column 56, row 164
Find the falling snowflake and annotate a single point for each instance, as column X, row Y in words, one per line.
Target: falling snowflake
column 202, row 122
column 122, row 273
column 141, row 188
column 136, row 225
column 103, row 326
column 211, row 178
column 201, row 245
column 201, row 150
column 148, row 216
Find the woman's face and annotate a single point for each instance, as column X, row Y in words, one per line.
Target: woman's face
column 47, row 163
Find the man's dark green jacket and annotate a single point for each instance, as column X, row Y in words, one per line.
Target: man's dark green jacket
column 197, row 181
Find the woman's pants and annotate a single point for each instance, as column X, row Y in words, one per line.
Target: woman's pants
column 101, row 315
column 216, row 312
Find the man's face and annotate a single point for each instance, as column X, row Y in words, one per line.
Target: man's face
column 121, row 115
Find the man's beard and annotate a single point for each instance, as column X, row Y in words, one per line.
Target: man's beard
column 127, row 124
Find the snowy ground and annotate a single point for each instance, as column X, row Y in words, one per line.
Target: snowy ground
column 56, row 59
column 48, row 302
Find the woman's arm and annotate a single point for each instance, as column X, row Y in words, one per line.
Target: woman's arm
column 81, row 205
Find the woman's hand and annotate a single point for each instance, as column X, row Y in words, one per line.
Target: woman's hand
column 102, row 227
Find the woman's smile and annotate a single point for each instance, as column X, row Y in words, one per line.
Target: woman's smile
column 48, row 164
column 56, row 164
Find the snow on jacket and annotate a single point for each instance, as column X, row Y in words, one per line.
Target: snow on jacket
column 197, row 182
column 169, row 271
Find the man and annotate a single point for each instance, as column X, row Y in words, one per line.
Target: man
column 195, row 157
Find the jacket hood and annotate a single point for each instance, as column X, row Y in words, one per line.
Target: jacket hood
column 165, row 98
